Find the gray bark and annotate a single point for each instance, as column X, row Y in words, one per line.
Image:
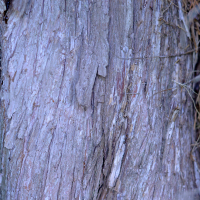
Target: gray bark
column 81, row 122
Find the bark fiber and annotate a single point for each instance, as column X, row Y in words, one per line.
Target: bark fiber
column 81, row 122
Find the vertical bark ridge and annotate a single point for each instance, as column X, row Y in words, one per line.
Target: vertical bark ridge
column 81, row 122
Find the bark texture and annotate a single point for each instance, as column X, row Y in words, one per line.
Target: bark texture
column 81, row 122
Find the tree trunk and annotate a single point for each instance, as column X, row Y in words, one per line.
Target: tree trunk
column 85, row 109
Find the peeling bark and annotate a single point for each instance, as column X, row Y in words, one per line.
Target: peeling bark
column 82, row 122
column 2, row 7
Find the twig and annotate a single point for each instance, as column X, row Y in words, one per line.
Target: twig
column 167, row 8
column 174, row 88
column 169, row 56
column 161, row 19
column 194, row 37
column 187, row 47
column 196, row 144
column 192, row 90
column 177, row 6
column 181, row 28
column 183, row 85
column 194, row 80
column 163, row 91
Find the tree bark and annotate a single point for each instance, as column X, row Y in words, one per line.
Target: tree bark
column 85, row 109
